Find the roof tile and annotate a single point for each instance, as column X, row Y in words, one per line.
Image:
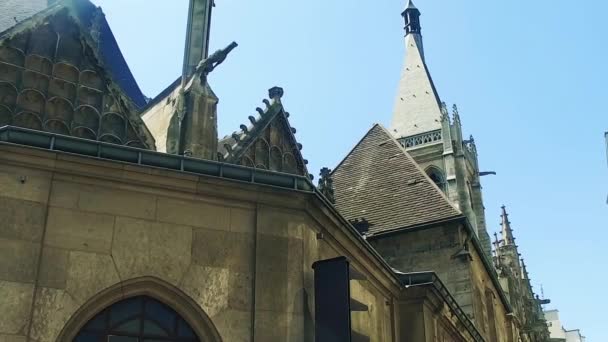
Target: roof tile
column 381, row 184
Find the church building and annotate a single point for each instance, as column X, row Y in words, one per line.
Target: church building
column 128, row 219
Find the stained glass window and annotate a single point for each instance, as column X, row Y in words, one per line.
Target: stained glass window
column 137, row 319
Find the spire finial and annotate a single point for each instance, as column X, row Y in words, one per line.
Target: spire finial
column 411, row 14
column 507, row 232
column 326, row 184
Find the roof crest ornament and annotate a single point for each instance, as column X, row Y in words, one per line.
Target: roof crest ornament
column 445, row 115
column 326, row 184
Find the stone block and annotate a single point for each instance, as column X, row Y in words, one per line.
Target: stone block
column 233, row 325
column 15, row 303
column 216, row 248
column 209, row 287
column 88, row 274
column 276, row 326
column 218, row 289
column 66, row 194
column 78, row 230
column 18, row 260
column 242, row 220
column 280, row 223
column 241, row 291
column 25, row 184
column 52, row 310
column 146, row 248
column 117, row 202
column 194, row 213
column 278, row 292
column 272, row 252
column 53, row 272
column 23, row 220
column 12, row 338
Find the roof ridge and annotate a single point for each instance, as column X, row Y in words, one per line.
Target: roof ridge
column 355, row 147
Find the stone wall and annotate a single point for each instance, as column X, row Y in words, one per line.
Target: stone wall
column 487, row 300
column 431, row 250
column 436, row 249
column 425, row 317
column 72, row 228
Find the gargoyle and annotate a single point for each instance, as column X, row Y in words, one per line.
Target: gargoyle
column 207, row 65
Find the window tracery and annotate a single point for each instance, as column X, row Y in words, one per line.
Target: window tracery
column 137, row 319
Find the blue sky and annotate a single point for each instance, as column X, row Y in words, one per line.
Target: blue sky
column 529, row 79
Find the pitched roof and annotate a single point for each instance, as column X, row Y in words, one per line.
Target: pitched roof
column 269, row 132
column 92, row 19
column 380, row 183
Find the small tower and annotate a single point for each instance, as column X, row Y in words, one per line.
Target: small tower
column 507, row 246
column 507, row 231
column 422, row 124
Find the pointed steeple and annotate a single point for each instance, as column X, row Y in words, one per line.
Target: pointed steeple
column 197, row 35
column 417, row 106
column 507, row 232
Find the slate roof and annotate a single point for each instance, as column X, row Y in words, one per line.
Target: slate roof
column 92, row 19
column 379, row 182
column 417, row 105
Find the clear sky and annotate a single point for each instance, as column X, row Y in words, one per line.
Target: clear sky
column 529, row 78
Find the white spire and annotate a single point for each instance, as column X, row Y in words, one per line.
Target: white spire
column 417, row 106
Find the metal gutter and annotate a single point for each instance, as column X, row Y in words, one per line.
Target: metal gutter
column 124, row 154
column 10, row 135
column 431, row 279
column 100, row 150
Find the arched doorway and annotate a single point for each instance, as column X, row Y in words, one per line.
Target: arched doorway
column 137, row 319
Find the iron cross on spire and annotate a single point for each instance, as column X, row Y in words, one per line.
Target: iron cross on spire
column 197, row 35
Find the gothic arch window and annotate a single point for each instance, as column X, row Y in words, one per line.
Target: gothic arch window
column 140, row 299
column 137, row 319
column 437, row 177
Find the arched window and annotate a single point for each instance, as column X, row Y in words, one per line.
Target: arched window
column 137, row 319
column 437, row 177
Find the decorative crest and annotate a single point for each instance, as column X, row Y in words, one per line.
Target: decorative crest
column 361, row 225
column 445, row 115
column 326, row 185
column 455, row 113
column 275, row 94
